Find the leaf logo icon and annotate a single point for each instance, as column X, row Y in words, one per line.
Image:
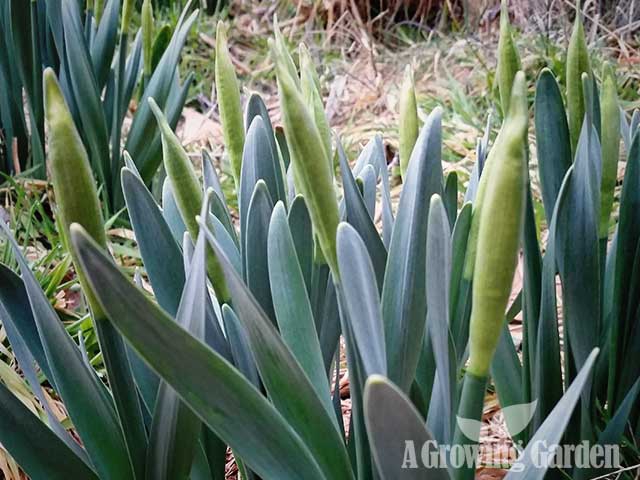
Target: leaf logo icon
column 470, row 428
column 517, row 417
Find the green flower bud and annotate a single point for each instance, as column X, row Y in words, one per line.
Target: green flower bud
column 310, row 86
column 409, row 127
column 97, row 9
column 500, row 227
column 188, row 194
column 610, row 112
column 508, row 58
column 127, row 11
column 577, row 64
column 228, row 95
column 147, row 36
column 311, row 170
column 73, row 183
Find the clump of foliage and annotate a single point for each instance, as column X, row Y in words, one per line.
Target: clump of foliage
column 239, row 344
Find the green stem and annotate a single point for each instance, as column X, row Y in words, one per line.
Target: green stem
column 470, row 408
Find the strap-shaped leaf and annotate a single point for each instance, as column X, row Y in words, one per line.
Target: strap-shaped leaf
column 302, row 234
column 627, row 238
column 160, row 253
column 286, row 383
column 89, row 405
column 212, row 388
column 19, row 325
column 552, row 139
column 255, row 252
column 403, row 293
column 104, row 42
column 259, row 162
column 175, row 428
column 633, row 125
column 40, row 453
column 460, row 292
column 551, row 431
column 171, row 213
column 578, row 257
column 210, row 177
column 17, row 315
column 240, row 349
column 438, row 268
column 256, row 107
column 361, row 299
column 506, row 371
column 226, row 240
column 450, row 197
column 329, row 322
column 546, row 374
column 291, row 303
column 368, row 179
column 531, row 290
column 397, row 433
column 358, row 216
column 373, row 154
column 218, row 203
column 359, row 447
column 86, row 93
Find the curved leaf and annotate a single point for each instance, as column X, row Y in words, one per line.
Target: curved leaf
column 358, row 215
column 212, row 388
column 89, row 404
column 40, row 453
column 396, row 429
column 286, row 383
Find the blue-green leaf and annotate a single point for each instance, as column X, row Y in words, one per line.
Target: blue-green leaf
column 212, row 388
column 89, row 405
column 358, row 216
column 403, row 293
column 398, row 434
column 438, row 268
column 552, row 139
column 291, row 303
column 533, row 466
column 175, row 429
column 255, row 247
column 286, row 383
column 40, row 453
column 361, row 299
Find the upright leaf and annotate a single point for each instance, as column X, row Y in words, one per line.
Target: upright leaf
column 403, row 292
column 362, row 300
column 290, row 300
column 552, row 139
